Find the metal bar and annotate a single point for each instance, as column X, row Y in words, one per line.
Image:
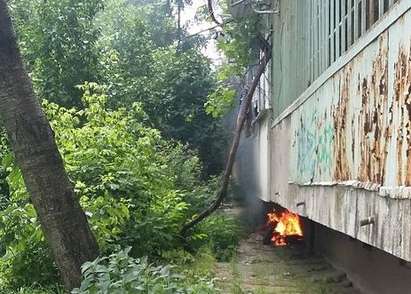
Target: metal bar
column 302, row 203
column 294, row 54
column 307, row 40
column 237, row 3
column 327, row 33
column 356, row 21
column 311, row 40
column 367, row 221
column 349, row 24
column 343, row 26
column 303, row 37
column 314, row 41
column 363, row 17
column 315, row 10
column 381, row 10
column 332, row 31
column 299, row 51
column 370, row 13
column 376, row 10
column 318, row 31
column 320, row 36
column 337, row 29
column 324, row 39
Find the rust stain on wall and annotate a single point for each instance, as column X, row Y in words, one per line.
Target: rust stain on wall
column 347, row 132
column 339, row 114
column 374, row 130
column 402, row 106
column 369, row 126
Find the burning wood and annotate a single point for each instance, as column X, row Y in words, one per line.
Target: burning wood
column 285, row 225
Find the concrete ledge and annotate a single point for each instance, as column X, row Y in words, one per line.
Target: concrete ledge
column 364, row 215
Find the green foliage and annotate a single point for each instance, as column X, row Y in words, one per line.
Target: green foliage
column 220, row 101
column 241, row 47
column 241, row 44
column 132, row 47
column 134, row 150
column 128, row 177
column 183, row 82
column 171, row 82
column 57, row 39
column 4, row 187
column 126, row 48
column 136, row 188
column 120, row 273
column 223, row 234
column 26, row 259
column 33, row 290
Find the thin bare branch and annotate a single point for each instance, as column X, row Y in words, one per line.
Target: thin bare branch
column 241, row 118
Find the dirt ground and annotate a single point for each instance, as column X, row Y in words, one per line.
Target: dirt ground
column 259, row 268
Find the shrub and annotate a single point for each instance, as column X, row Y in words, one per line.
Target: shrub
column 4, row 188
column 33, row 290
column 136, row 188
column 120, row 273
column 223, row 234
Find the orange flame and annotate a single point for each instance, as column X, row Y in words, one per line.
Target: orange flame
column 285, row 224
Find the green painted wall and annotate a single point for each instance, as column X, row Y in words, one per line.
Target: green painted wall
column 290, row 74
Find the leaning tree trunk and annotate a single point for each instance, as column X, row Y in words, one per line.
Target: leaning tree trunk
column 241, row 118
column 62, row 220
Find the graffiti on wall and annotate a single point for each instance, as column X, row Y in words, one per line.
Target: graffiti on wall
column 314, row 146
column 357, row 126
column 345, row 130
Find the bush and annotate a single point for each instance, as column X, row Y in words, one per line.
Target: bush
column 4, row 188
column 33, row 290
column 120, row 273
column 223, row 234
column 136, row 188
column 26, row 258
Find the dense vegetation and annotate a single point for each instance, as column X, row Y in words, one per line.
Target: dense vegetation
column 124, row 91
column 242, row 42
column 131, row 49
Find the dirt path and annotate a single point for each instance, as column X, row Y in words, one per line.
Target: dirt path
column 259, row 269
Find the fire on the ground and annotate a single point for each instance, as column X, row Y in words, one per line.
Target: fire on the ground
column 285, row 225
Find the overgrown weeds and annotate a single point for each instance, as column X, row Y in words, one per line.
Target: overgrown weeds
column 136, row 188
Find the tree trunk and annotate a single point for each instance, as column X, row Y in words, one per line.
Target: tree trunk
column 241, row 118
column 63, row 221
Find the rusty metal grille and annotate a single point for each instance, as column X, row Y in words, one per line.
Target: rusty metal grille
column 312, row 38
column 262, row 95
column 335, row 25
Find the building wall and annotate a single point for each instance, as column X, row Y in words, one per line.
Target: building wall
column 252, row 169
column 340, row 154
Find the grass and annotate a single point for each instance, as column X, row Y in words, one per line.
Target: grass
column 32, row 290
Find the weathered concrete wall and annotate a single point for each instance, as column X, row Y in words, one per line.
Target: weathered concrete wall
column 344, row 154
column 245, row 168
column 252, row 167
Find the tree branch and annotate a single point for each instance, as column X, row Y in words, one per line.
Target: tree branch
column 241, row 117
column 211, row 10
